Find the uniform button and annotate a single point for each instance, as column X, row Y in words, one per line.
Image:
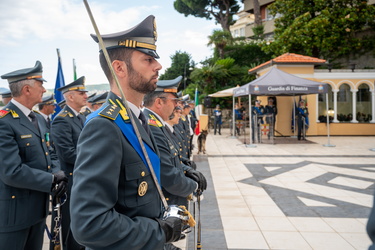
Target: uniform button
column 46, row 153
column 42, row 140
column 27, row 144
column 13, row 196
column 167, row 199
column 49, row 167
column 70, row 173
column 143, row 173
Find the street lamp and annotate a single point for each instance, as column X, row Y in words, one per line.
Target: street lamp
column 190, row 68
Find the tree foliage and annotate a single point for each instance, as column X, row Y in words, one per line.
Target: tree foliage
column 220, row 10
column 246, row 54
column 327, row 29
column 181, row 62
column 220, row 38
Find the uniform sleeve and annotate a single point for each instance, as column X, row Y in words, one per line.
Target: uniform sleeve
column 16, row 173
column 95, row 223
column 172, row 177
column 62, row 132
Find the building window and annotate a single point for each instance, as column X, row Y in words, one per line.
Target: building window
column 344, row 103
column 322, row 112
column 363, row 105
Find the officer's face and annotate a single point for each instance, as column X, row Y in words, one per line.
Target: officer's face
column 50, row 109
column 36, row 91
column 177, row 116
column 143, row 72
column 79, row 98
column 169, row 103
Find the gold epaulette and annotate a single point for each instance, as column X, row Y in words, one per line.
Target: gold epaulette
column 183, row 118
column 153, row 121
column 65, row 113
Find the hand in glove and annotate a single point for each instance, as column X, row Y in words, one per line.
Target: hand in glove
column 197, row 177
column 172, row 228
column 59, row 184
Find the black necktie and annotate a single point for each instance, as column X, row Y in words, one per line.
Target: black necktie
column 144, row 122
column 81, row 118
column 48, row 122
column 34, row 120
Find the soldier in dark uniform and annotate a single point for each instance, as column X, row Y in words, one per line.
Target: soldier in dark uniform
column 217, row 119
column 47, row 108
column 29, row 171
column 302, row 114
column 115, row 203
column 6, row 96
column 159, row 105
column 66, row 128
column 271, row 112
column 98, row 100
column 257, row 120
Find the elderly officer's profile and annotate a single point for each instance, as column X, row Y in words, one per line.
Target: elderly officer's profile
column 29, row 170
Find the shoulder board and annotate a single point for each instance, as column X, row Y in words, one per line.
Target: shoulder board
column 154, row 122
column 183, row 118
column 110, row 111
column 65, row 113
column 3, row 113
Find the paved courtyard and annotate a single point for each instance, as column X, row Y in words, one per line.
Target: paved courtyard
column 287, row 195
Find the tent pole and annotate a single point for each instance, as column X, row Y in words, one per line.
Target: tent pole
column 233, row 122
column 328, row 144
column 294, row 118
column 251, row 145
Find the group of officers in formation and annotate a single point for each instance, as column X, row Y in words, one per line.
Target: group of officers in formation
column 108, row 165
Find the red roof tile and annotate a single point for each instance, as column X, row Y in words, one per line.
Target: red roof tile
column 289, row 58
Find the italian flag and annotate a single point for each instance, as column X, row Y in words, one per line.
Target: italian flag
column 197, row 113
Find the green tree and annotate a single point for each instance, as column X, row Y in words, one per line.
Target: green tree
column 220, row 38
column 181, row 62
column 247, row 53
column 327, row 29
column 221, row 10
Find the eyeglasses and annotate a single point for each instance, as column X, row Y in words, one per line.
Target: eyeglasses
column 175, row 100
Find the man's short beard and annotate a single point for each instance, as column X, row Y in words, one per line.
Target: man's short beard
column 138, row 82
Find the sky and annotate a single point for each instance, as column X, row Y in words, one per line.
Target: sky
column 32, row 30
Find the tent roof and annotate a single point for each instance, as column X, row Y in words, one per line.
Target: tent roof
column 278, row 82
column 224, row 93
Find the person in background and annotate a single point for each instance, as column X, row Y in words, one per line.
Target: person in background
column 65, row 130
column 29, row 171
column 98, row 100
column 217, row 119
column 47, row 108
column 88, row 108
column 302, row 114
column 257, row 120
column 6, row 96
column 271, row 112
column 238, row 117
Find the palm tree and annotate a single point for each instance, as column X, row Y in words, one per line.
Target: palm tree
column 220, row 38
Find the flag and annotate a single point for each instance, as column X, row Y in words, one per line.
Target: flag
column 74, row 70
column 60, row 82
column 197, row 113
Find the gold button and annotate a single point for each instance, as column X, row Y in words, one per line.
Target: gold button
column 27, row 144
column 46, row 153
column 13, row 196
column 42, row 140
column 70, row 173
column 143, row 173
column 49, row 167
column 167, row 199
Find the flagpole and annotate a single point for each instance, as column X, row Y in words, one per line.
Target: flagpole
column 60, row 82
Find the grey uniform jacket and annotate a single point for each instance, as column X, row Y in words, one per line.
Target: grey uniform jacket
column 108, row 211
column 176, row 186
column 25, row 170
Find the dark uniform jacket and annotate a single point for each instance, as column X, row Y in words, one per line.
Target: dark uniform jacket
column 176, row 186
column 108, row 208
column 66, row 128
column 25, row 170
